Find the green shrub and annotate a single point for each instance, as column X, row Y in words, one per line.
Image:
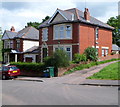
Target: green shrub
column 59, row 59
column 24, row 66
column 91, row 54
column 79, row 58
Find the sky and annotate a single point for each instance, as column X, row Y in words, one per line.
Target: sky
column 18, row 12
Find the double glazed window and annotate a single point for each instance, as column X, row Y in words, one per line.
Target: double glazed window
column 63, row 31
column 18, row 44
column 44, row 34
column 97, row 33
column 8, row 44
column 67, row 49
column 105, row 52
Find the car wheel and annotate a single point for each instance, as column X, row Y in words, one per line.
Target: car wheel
column 4, row 77
column 15, row 76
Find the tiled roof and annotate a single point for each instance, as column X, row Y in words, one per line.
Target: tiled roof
column 27, row 33
column 78, row 16
column 33, row 49
column 115, row 47
column 9, row 35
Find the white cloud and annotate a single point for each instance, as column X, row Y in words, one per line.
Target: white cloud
column 36, row 10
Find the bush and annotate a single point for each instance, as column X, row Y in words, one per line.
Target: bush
column 24, row 66
column 79, row 58
column 91, row 54
column 59, row 59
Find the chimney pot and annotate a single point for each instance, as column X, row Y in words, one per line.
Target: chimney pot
column 12, row 29
column 87, row 14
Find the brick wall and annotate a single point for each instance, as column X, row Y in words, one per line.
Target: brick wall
column 83, row 35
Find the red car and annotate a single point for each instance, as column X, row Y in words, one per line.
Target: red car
column 10, row 71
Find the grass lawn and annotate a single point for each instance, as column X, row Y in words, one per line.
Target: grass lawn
column 84, row 66
column 110, row 72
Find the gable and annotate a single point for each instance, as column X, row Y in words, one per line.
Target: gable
column 58, row 18
column 5, row 36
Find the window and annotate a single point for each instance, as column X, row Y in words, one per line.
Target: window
column 44, row 34
column 68, row 31
column 18, row 44
column 7, row 44
column 103, row 52
column 68, row 50
column 11, row 44
column 62, row 31
column 96, row 33
column 106, row 52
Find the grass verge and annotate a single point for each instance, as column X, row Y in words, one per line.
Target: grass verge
column 83, row 66
column 109, row 72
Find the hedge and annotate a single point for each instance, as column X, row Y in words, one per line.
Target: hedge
column 24, row 66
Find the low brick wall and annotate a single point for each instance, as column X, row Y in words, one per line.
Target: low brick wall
column 32, row 73
column 109, row 57
column 61, row 71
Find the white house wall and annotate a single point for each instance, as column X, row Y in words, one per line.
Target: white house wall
column 28, row 44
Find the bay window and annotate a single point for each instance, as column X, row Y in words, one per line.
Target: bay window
column 66, row 48
column 63, row 31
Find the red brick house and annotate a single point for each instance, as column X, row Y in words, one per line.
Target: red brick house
column 74, row 31
column 17, row 44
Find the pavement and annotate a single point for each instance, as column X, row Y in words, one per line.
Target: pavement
column 77, row 78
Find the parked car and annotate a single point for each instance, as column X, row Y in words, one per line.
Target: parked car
column 10, row 71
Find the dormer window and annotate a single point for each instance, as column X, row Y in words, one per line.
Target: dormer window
column 44, row 34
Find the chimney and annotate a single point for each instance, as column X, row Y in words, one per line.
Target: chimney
column 87, row 14
column 12, row 29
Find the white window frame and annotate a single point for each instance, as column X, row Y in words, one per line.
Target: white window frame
column 18, row 43
column 11, row 43
column 45, row 34
column 64, row 48
column 6, row 44
column 97, row 33
column 57, row 31
column 103, row 52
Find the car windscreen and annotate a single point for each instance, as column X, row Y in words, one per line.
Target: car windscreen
column 13, row 68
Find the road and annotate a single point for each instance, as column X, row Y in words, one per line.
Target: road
column 16, row 92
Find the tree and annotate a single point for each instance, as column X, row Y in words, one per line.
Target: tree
column 33, row 24
column 58, row 59
column 46, row 18
column 115, row 22
column 36, row 24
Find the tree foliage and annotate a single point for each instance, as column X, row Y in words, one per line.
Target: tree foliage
column 46, row 18
column 33, row 24
column 115, row 22
column 36, row 24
